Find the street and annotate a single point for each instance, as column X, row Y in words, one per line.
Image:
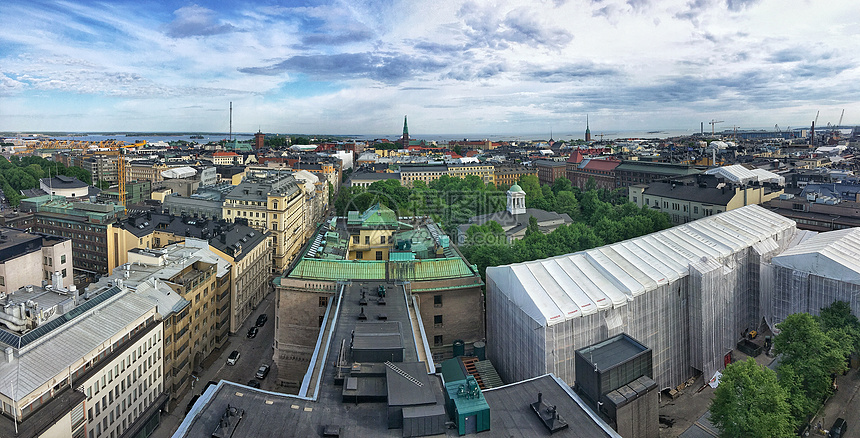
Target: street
column 845, row 403
column 253, row 353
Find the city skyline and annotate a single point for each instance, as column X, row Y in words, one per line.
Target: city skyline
column 454, row 67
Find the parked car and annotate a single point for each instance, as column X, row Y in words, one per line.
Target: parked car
column 252, row 332
column 254, row 384
column 233, row 357
column 261, row 320
column 262, row 372
column 838, row 429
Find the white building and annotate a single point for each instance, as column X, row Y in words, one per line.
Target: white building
column 93, row 369
column 685, row 292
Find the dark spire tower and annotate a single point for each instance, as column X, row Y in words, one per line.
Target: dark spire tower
column 587, row 129
column 405, row 138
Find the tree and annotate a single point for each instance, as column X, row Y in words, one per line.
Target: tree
column 750, row 403
column 838, row 316
column 812, row 354
column 561, row 185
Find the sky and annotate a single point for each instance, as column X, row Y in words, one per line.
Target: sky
column 454, row 67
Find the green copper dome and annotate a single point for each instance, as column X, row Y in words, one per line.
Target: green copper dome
column 516, row 188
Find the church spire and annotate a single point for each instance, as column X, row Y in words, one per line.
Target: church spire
column 405, row 133
column 587, row 129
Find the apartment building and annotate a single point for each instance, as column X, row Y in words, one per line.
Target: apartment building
column 29, row 258
column 145, row 170
column 548, row 171
column 698, row 196
column 506, row 175
column 247, row 252
column 600, row 171
column 80, row 368
column 85, row 223
column 428, row 174
column 273, row 203
column 189, row 285
column 484, row 171
column 102, row 167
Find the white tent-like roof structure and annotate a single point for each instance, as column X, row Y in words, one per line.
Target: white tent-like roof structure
column 834, row 255
column 179, row 172
column 734, row 173
column 561, row 288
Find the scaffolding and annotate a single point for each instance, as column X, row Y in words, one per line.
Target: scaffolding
column 687, row 293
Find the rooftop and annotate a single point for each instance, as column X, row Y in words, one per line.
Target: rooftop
column 613, row 351
column 72, row 336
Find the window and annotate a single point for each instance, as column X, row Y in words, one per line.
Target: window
column 695, row 210
column 323, row 301
column 367, row 240
column 2, row 281
column 437, row 300
column 437, row 320
column 359, row 255
column 378, row 255
column 382, row 239
column 355, row 240
column 62, row 259
column 64, row 272
column 437, row 340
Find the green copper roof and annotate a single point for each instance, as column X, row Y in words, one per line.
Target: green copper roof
column 516, row 188
column 415, row 270
column 379, row 215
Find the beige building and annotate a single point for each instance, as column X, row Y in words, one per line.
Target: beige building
column 428, row 174
column 28, row 259
column 145, row 170
column 484, row 171
column 272, row 203
column 699, row 196
column 190, row 284
column 246, row 252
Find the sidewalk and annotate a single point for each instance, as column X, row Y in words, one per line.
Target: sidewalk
column 844, row 403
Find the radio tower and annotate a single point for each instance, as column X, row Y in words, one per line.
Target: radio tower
column 231, row 121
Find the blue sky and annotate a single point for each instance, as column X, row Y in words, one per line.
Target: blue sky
column 356, row 67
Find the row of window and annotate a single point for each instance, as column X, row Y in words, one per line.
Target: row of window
column 359, row 255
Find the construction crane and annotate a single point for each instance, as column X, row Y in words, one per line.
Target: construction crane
column 712, row 123
column 119, row 151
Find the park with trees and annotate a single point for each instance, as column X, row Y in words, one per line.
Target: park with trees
column 599, row 216
column 18, row 174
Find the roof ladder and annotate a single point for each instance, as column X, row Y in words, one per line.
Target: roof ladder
column 405, row 375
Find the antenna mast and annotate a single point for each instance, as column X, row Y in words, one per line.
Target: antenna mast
column 231, row 121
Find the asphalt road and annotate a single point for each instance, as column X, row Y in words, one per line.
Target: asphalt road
column 253, row 353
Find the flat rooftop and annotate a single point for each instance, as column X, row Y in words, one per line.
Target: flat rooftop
column 266, row 413
column 613, row 351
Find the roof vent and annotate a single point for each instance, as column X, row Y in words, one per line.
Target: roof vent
column 548, row 415
column 362, row 316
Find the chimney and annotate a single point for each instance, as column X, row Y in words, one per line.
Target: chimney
column 57, row 280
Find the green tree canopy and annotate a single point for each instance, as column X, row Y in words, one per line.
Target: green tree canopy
column 750, row 403
column 810, row 354
column 838, row 317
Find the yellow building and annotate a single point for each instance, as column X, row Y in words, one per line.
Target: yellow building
column 275, row 204
column 484, row 171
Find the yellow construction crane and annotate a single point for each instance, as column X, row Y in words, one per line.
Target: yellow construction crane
column 712, row 123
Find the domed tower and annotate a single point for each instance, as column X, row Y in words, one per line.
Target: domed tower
column 516, row 200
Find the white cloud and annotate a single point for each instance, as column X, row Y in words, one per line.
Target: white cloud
column 452, row 66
